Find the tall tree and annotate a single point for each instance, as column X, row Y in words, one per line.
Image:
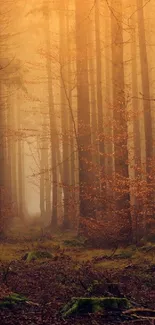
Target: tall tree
column 145, row 86
column 135, row 102
column 119, row 116
column 109, row 165
column 1, row 161
column 84, row 129
column 64, row 107
column 71, row 110
column 53, row 130
column 96, row 126
column 41, row 147
column 20, row 167
column 136, row 124
column 148, row 128
column 9, row 140
column 99, row 84
column 92, row 83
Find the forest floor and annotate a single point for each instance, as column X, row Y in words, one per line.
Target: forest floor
column 74, row 270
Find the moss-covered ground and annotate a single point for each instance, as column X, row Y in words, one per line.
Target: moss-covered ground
column 63, row 266
column 32, row 239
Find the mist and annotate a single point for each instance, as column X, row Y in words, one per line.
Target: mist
column 77, row 133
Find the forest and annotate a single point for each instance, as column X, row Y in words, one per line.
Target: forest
column 77, row 162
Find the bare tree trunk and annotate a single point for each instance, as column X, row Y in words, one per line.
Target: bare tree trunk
column 2, row 169
column 48, row 197
column 84, row 130
column 96, row 145
column 136, row 126
column 53, row 130
column 109, row 165
column 45, row 173
column 93, row 99
column 99, row 91
column 47, row 178
column 64, row 109
column 42, row 175
column 71, row 105
column 119, row 118
column 99, row 82
column 145, row 86
column 10, row 143
column 147, row 108
column 14, row 162
column 20, row 157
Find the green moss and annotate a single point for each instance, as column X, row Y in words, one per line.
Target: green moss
column 125, row 255
column 79, row 306
column 12, row 300
column 75, row 242
column 36, row 255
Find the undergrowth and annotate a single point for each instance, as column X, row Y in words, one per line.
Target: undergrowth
column 14, row 248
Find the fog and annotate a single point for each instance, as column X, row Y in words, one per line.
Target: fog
column 77, row 162
column 77, row 111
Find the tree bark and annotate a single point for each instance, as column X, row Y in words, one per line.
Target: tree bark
column 84, row 129
column 53, row 129
column 145, row 86
column 64, row 109
column 120, row 134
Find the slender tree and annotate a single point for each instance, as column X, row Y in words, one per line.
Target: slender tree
column 136, row 125
column 20, row 166
column 41, row 145
column 119, row 115
column 53, row 130
column 92, row 82
column 148, row 127
column 64, row 108
column 99, row 85
column 145, row 86
column 83, row 103
column 1, row 162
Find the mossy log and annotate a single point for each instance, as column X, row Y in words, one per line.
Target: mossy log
column 79, row 306
column 36, row 255
column 12, row 300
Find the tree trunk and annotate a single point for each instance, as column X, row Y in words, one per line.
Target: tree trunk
column 8, row 128
column 148, row 128
column 20, row 157
column 99, row 86
column 72, row 135
column 64, row 109
column 53, row 129
column 14, row 153
column 96, row 145
column 122, row 195
column 109, row 164
column 2, row 170
column 84, row 130
column 136, row 126
column 42, row 176
column 145, row 86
